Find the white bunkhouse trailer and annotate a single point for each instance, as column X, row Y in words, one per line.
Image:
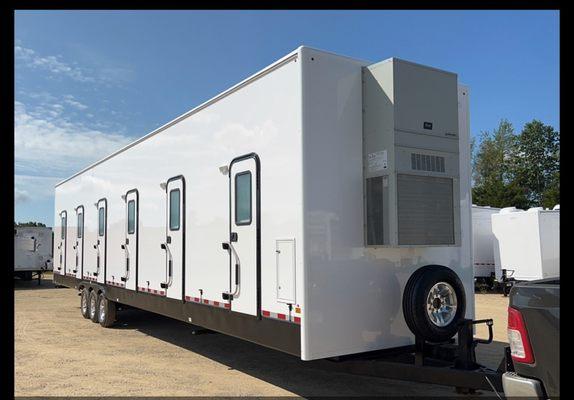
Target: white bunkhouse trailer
column 32, row 251
column 484, row 249
column 320, row 207
column 529, row 243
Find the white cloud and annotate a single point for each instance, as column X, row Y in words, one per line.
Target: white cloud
column 20, row 196
column 27, row 187
column 52, row 64
column 46, row 143
column 70, row 100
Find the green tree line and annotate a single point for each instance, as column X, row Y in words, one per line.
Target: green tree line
column 517, row 169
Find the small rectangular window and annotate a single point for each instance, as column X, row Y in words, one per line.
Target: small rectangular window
column 80, row 225
column 63, row 228
column 131, row 217
column 101, row 221
column 174, row 205
column 243, row 198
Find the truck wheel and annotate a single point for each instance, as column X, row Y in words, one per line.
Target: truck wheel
column 433, row 303
column 106, row 311
column 93, row 306
column 85, row 303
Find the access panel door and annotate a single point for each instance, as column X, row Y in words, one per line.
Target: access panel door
column 101, row 241
column 175, row 238
column 61, row 248
column 243, row 236
column 79, row 243
column 131, row 244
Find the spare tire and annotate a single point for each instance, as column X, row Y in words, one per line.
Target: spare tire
column 434, row 302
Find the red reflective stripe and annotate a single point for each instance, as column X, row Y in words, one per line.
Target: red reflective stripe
column 205, row 301
column 266, row 313
column 297, row 320
column 281, row 316
column 227, row 305
column 216, row 303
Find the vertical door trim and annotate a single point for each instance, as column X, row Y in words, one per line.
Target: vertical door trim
column 83, row 235
column 105, row 200
column 183, row 205
column 137, row 229
column 258, row 214
column 65, row 228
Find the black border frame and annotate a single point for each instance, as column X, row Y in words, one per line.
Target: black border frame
column 183, row 227
column 237, row 175
column 105, row 200
column 83, row 212
column 255, row 157
column 137, row 193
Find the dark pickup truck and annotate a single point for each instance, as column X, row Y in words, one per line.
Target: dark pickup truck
column 534, row 337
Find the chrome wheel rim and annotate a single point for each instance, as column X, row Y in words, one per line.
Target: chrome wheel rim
column 92, row 306
column 84, row 303
column 102, row 315
column 441, row 304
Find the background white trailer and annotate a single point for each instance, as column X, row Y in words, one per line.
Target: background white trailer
column 529, row 243
column 290, row 210
column 484, row 251
column 32, row 250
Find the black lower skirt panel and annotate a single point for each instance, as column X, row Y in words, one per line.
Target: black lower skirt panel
column 275, row 334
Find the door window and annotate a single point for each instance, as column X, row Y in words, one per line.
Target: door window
column 80, row 225
column 131, row 217
column 63, row 230
column 174, row 210
column 101, row 221
column 243, row 198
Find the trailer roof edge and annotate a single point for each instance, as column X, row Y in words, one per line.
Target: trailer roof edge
column 277, row 64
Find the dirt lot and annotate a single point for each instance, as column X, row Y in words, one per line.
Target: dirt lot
column 59, row 353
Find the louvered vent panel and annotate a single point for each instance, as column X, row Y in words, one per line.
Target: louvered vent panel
column 427, row 162
column 425, row 210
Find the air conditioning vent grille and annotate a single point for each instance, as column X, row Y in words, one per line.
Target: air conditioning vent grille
column 427, row 162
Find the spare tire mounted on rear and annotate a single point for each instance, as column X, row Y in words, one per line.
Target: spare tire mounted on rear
column 433, row 303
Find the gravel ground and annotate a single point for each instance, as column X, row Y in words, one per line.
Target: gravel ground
column 59, row 353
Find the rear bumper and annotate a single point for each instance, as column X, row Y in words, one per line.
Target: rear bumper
column 517, row 386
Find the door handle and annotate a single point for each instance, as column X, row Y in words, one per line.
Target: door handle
column 233, row 237
column 228, row 295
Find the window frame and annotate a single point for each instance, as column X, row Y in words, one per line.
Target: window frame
column 178, row 210
column 133, row 230
column 63, row 225
column 80, row 232
column 101, row 216
column 246, row 222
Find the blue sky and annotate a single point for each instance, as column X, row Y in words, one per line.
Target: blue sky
column 87, row 83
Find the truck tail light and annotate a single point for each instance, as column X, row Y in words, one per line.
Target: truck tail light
column 520, row 348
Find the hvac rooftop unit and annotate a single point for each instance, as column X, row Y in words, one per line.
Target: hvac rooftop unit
column 410, row 156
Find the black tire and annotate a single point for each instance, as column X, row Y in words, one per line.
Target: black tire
column 415, row 299
column 85, row 303
column 93, row 306
column 106, row 311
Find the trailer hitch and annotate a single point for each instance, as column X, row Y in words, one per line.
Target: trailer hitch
column 466, row 358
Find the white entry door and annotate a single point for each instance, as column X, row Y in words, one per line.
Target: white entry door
column 61, row 267
column 101, row 242
column 243, row 235
column 175, row 238
column 79, row 244
column 131, row 245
